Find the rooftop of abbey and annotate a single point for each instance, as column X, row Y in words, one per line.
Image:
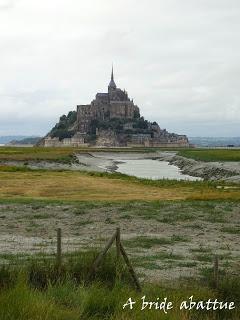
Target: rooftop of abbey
column 111, row 119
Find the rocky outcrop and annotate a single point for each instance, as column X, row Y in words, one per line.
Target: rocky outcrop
column 228, row 171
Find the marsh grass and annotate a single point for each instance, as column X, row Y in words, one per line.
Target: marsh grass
column 211, row 154
column 204, row 257
column 161, row 260
column 201, row 249
column 231, row 230
column 179, row 238
column 84, row 223
column 41, row 291
column 41, row 269
column 149, row 242
column 40, row 216
column 172, row 212
column 64, row 155
column 177, row 217
column 109, row 220
column 195, row 226
column 186, row 264
column 6, row 168
column 209, row 257
column 146, row 242
column 67, row 301
column 126, row 217
column 79, row 212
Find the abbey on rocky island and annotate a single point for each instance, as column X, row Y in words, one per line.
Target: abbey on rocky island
column 111, row 120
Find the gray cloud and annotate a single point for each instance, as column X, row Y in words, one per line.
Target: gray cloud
column 179, row 60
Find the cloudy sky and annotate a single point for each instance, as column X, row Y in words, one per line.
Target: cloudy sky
column 179, row 60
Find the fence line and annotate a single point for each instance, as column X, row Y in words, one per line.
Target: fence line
column 60, row 246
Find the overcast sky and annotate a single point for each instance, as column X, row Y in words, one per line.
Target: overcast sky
column 178, row 59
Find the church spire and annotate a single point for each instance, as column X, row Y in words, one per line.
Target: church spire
column 112, row 77
column 112, row 84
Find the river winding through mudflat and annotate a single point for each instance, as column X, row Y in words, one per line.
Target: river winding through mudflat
column 152, row 169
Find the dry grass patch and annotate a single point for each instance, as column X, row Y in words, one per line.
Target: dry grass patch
column 80, row 186
column 77, row 186
column 36, row 153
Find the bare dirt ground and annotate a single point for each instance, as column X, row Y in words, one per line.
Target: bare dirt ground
column 165, row 240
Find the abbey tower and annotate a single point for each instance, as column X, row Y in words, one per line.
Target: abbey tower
column 113, row 104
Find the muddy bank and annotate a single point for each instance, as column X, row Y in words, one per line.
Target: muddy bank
column 225, row 171
column 47, row 165
column 100, row 162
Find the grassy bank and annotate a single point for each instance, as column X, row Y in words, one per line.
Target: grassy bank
column 59, row 154
column 211, row 154
column 36, row 154
column 42, row 291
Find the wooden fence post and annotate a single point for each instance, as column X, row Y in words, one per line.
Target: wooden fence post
column 120, row 250
column 118, row 243
column 101, row 256
column 130, row 268
column 59, row 247
column 216, row 271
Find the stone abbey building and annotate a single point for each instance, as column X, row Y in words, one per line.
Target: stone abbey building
column 111, row 119
column 113, row 104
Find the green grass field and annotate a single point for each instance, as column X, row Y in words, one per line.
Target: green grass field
column 43, row 291
column 65, row 155
column 55, row 154
column 211, row 154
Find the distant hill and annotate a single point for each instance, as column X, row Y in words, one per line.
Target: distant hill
column 26, row 140
column 6, row 139
column 215, row 141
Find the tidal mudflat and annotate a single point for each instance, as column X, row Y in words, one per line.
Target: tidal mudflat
column 165, row 240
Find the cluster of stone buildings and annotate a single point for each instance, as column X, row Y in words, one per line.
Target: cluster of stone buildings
column 77, row 140
column 107, row 107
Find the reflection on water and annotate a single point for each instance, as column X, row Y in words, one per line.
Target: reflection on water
column 152, row 169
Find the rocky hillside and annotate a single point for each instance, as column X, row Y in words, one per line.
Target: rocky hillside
column 66, row 127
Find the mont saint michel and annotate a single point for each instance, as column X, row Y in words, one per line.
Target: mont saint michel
column 111, row 120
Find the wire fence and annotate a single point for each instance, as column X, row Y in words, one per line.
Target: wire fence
column 17, row 249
